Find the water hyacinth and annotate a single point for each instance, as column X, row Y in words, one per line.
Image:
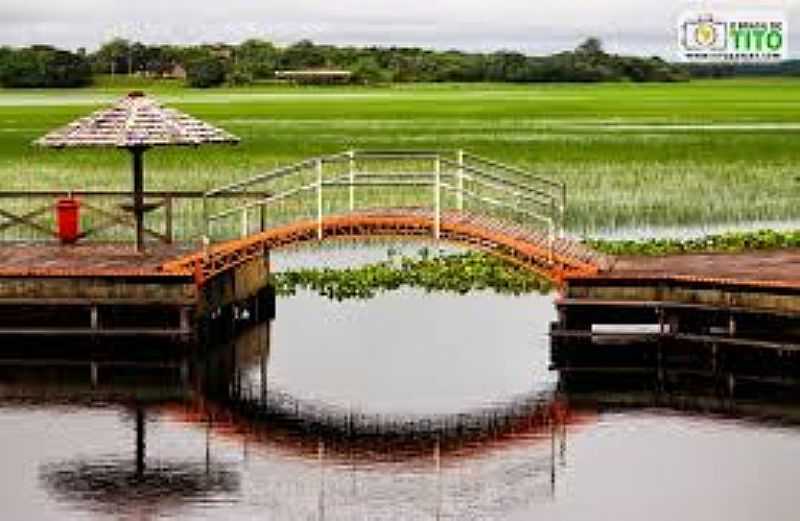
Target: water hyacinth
column 459, row 273
column 728, row 242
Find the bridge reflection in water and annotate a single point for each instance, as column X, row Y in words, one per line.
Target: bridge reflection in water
column 321, row 455
column 318, row 457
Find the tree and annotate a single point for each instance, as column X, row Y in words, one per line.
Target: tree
column 591, row 47
column 367, row 70
column 113, row 57
column 302, row 55
column 204, row 72
column 257, row 59
column 43, row 66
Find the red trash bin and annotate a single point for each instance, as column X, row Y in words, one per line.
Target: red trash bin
column 68, row 218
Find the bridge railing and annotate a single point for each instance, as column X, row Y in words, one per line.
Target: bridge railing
column 435, row 184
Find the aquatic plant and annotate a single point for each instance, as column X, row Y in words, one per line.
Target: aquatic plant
column 459, row 273
column 727, row 242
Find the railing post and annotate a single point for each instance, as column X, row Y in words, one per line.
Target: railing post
column 245, row 229
column 168, row 231
column 319, row 199
column 206, row 220
column 437, row 201
column 262, row 214
column 562, row 210
column 460, row 193
column 352, row 180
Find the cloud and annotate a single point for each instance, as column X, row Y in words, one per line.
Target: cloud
column 631, row 26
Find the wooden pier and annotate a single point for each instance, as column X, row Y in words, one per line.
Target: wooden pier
column 730, row 317
column 109, row 290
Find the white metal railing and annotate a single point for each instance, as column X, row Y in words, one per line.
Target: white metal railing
column 359, row 180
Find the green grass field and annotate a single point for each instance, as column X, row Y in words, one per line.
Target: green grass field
column 701, row 153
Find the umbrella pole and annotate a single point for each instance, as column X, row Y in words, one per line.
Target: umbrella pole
column 138, row 195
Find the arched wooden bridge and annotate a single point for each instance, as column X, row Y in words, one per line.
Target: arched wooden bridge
column 457, row 197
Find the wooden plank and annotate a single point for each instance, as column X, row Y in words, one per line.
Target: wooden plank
column 26, row 219
column 17, row 220
column 665, row 304
column 124, row 220
column 652, row 338
column 763, row 299
column 97, row 290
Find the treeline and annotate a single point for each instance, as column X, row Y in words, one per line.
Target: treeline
column 43, row 66
column 258, row 60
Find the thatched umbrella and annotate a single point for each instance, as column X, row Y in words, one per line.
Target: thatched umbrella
column 136, row 123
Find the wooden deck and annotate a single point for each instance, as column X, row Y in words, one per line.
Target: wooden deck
column 109, row 290
column 21, row 259
column 766, row 281
column 779, row 267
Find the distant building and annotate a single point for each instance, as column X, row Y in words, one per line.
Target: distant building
column 316, row 76
column 177, row 72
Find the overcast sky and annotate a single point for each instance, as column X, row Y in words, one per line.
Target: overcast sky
column 534, row 26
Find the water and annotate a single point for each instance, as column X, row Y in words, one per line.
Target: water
column 179, row 439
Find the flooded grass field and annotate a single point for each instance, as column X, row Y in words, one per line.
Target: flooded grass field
column 331, row 412
column 711, row 154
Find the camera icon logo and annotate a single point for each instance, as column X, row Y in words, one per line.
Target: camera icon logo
column 705, row 34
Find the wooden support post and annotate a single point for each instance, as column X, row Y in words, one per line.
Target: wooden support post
column 138, row 195
column 714, row 358
column 93, row 371
column 94, row 318
column 674, row 324
column 185, row 319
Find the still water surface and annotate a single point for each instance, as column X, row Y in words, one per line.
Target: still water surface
column 69, row 445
